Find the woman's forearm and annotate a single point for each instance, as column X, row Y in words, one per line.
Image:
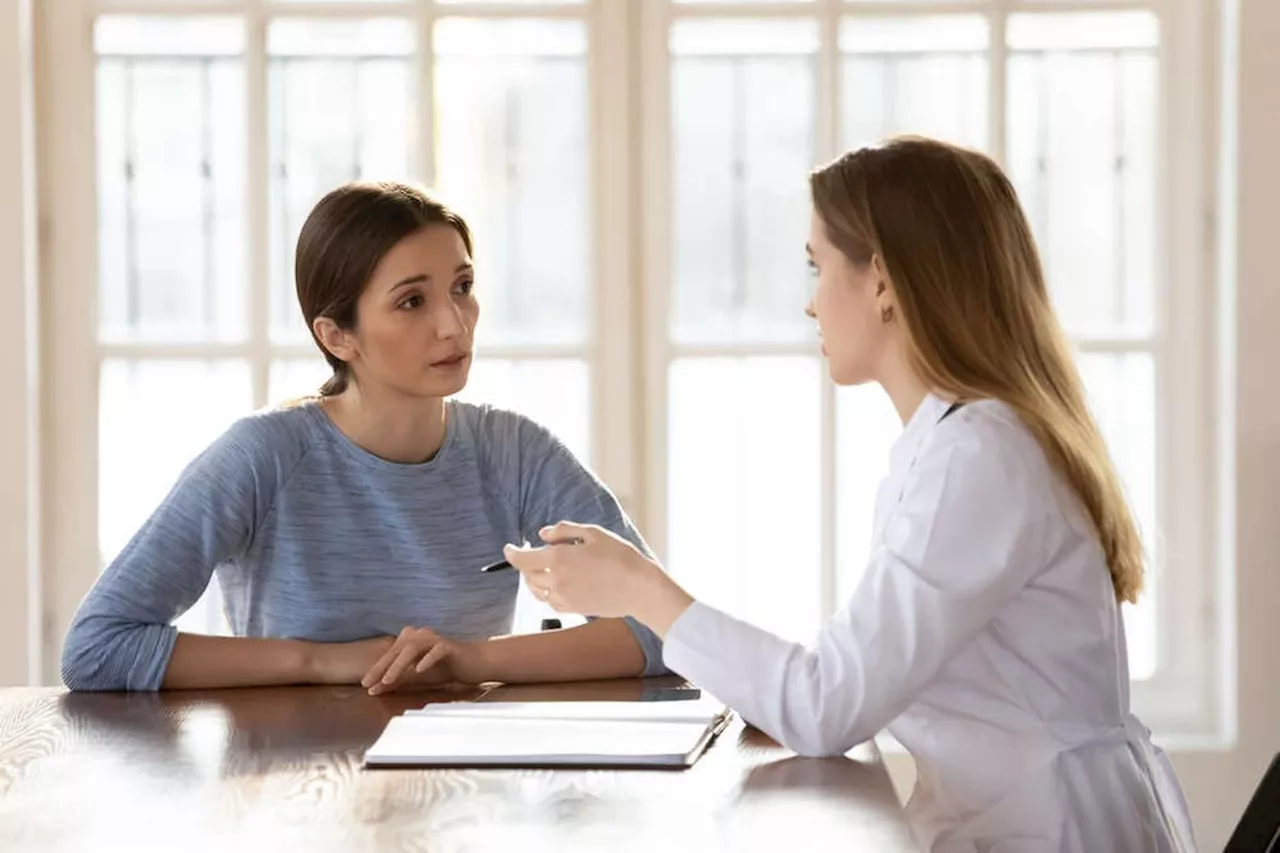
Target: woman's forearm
column 657, row 601
column 210, row 662
column 206, row 662
column 603, row 648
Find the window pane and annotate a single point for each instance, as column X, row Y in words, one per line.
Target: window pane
column 1122, row 393
column 920, row 75
column 154, row 418
column 866, row 427
column 743, row 488
column 743, row 126
column 513, row 156
column 554, row 392
column 340, row 101
column 171, row 173
column 292, row 378
column 1083, row 30
column 198, row 36
column 1083, row 151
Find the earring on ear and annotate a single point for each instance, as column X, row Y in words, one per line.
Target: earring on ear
column 886, row 314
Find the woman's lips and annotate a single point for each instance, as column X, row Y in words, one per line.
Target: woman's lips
column 452, row 361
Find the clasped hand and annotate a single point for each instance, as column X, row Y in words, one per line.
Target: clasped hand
column 419, row 657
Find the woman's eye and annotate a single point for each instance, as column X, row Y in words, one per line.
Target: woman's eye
column 412, row 302
column 465, row 287
column 813, row 268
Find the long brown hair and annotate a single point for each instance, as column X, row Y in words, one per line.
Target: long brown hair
column 971, row 295
column 345, row 236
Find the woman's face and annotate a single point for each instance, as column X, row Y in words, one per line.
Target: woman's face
column 416, row 319
column 848, row 303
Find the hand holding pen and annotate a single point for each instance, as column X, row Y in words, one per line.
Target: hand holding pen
column 601, row 574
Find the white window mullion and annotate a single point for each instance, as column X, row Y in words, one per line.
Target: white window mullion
column 726, row 10
column 1173, row 653
column 425, row 95
column 732, row 349
column 829, row 138
column 1117, row 346
column 998, row 82
column 655, row 118
column 829, row 133
column 166, row 8
column 1188, row 639
column 616, row 413
column 1079, row 5
column 829, row 500
column 175, row 352
column 323, row 9
column 301, row 350
column 258, row 177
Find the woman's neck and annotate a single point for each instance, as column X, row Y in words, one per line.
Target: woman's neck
column 905, row 389
column 391, row 426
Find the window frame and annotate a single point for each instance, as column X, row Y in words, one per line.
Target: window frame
column 628, row 90
column 1182, row 701
column 71, row 397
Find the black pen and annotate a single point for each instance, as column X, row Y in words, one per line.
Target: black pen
column 506, row 564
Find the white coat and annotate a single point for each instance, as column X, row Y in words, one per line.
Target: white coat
column 985, row 635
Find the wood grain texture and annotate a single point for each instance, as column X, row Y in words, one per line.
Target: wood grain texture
column 279, row 770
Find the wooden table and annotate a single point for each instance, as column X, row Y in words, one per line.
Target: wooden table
column 279, row 770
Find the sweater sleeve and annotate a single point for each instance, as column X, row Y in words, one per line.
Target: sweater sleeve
column 555, row 486
column 122, row 636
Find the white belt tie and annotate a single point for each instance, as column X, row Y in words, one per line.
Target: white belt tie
column 1138, row 737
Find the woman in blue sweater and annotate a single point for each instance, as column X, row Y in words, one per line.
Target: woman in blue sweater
column 343, row 522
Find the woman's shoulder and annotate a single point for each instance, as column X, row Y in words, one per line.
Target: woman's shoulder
column 495, row 426
column 506, row 444
column 990, row 433
column 278, row 435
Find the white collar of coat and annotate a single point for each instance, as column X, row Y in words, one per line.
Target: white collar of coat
column 921, row 423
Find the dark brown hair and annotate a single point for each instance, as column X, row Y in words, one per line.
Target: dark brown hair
column 979, row 322
column 345, row 236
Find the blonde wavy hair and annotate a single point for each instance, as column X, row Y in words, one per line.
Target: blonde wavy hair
column 971, row 297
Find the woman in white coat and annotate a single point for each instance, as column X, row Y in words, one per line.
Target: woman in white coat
column 986, row 632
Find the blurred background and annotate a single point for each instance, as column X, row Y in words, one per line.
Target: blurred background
column 206, row 123
column 635, row 175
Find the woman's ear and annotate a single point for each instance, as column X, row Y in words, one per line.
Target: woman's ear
column 338, row 342
column 884, row 287
column 886, row 300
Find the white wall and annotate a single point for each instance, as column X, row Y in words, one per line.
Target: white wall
column 19, row 452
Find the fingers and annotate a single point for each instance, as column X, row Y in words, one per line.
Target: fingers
column 526, row 559
column 407, row 648
column 530, row 559
column 544, row 586
column 546, row 568
column 431, row 658
column 566, row 532
column 375, row 673
column 557, row 603
column 403, row 661
column 531, row 564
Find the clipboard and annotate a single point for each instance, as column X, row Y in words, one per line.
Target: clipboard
column 538, row 735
